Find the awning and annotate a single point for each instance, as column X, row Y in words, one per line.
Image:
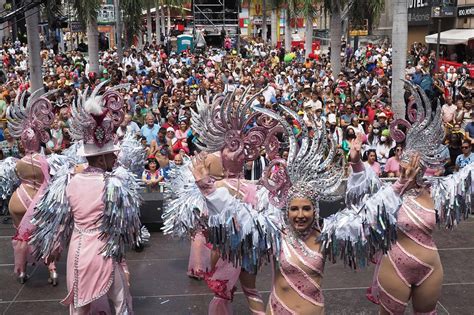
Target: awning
column 452, row 37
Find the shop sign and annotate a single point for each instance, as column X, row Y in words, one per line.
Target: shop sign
column 419, row 12
column 466, row 11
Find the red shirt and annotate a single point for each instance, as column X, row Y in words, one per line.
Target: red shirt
column 371, row 112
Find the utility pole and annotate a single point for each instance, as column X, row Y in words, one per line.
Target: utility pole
column 118, row 30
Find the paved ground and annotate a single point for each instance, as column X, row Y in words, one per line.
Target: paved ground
column 160, row 284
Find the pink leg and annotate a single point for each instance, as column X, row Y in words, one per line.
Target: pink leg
column 199, row 257
column 373, row 291
column 222, row 282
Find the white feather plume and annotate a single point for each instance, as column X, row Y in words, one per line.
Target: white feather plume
column 93, row 105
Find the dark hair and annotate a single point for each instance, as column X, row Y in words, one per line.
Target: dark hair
column 366, row 154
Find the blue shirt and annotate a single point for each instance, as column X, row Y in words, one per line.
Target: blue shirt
column 164, row 171
column 462, row 161
column 150, row 133
column 470, row 129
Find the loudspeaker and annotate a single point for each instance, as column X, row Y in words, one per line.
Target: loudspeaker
column 151, row 210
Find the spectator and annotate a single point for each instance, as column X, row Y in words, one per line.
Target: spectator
column 9, row 146
column 254, row 169
column 392, row 167
column 151, row 175
column 383, row 148
column 448, row 111
column 150, row 130
column 350, row 135
column 334, row 131
column 469, row 129
column 467, row 157
column 371, row 160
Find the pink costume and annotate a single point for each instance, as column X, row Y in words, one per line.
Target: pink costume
column 293, row 263
column 223, row 278
column 27, row 120
column 89, row 275
column 199, row 257
column 417, row 223
column 26, row 228
column 95, row 212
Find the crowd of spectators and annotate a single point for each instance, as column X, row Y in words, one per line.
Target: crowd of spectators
column 165, row 85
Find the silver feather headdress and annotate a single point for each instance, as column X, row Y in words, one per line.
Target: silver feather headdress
column 229, row 125
column 312, row 171
column 96, row 117
column 424, row 130
column 29, row 118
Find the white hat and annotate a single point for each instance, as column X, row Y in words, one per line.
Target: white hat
column 170, row 129
column 382, row 114
column 332, row 119
column 318, row 105
column 91, row 149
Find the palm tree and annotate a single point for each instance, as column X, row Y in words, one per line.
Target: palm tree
column 335, row 8
column 87, row 11
column 132, row 19
column 264, row 21
column 118, row 29
column 290, row 13
column 34, row 48
column 52, row 9
column 149, row 28
column 308, row 11
column 399, row 54
column 288, row 28
column 274, row 24
column 157, row 21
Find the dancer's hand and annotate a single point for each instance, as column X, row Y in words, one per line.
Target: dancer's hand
column 198, row 167
column 410, row 170
column 356, row 147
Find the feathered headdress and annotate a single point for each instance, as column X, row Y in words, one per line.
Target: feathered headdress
column 313, row 171
column 424, row 130
column 231, row 126
column 29, row 121
column 95, row 119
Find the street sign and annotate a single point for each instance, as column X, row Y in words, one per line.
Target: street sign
column 443, row 12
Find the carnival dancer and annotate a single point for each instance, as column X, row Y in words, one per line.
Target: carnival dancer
column 312, row 172
column 28, row 120
column 95, row 212
column 228, row 170
column 246, row 225
column 411, row 269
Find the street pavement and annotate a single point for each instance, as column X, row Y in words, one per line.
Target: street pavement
column 159, row 283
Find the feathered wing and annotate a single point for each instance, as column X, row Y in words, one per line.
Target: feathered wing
column 120, row 222
column 9, row 180
column 452, row 196
column 53, row 218
column 185, row 205
column 356, row 233
column 241, row 233
column 67, row 157
column 132, row 154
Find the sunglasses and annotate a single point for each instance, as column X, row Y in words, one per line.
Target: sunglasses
column 465, row 147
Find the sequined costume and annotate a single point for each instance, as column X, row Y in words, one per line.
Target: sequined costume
column 94, row 212
column 28, row 119
column 413, row 258
column 252, row 219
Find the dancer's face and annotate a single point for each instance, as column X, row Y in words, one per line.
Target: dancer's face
column 301, row 214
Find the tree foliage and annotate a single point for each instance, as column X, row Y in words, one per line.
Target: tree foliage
column 86, row 10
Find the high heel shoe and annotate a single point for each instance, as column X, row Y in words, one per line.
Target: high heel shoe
column 53, row 278
column 22, row 277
